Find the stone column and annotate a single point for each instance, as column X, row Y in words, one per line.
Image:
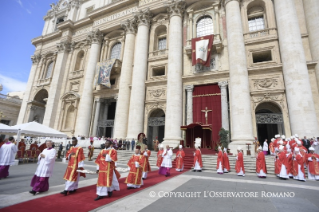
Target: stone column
column 27, row 93
column 242, row 128
column 86, row 101
column 224, row 102
column 123, row 101
column 174, row 100
column 106, row 109
column 75, row 4
column 189, row 104
column 137, row 101
column 96, row 116
column 57, row 77
column 216, row 10
column 303, row 119
column 312, row 13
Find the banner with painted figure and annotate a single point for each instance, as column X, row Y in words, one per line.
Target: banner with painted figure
column 104, row 69
column 201, row 50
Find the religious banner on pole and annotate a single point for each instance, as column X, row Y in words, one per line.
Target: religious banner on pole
column 201, row 49
column 104, row 69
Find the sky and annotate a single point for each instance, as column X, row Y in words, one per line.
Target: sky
column 22, row 20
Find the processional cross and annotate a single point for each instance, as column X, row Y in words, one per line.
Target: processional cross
column 206, row 112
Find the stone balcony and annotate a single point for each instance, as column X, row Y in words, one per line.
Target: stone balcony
column 269, row 33
column 218, row 44
column 158, row 54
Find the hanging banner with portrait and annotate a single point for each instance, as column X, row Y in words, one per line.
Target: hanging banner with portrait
column 104, row 69
column 201, row 50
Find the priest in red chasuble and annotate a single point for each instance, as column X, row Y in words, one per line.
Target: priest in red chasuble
column 289, row 163
column 220, row 161
column 272, row 147
column 261, row 168
column 34, row 146
column 313, row 164
column 298, row 165
column 160, row 156
column 303, row 151
column 107, row 181
column 22, row 147
column 226, row 161
column 146, row 167
column 198, row 163
column 180, row 155
column 91, row 150
column 239, row 167
column 76, row 161
column 281, row 163
column 135, row 164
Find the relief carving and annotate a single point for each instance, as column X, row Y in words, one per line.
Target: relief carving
column 265, row 83
column 157, row 93
column 268, row 97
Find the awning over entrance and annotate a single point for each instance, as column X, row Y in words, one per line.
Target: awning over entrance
column 199, row 130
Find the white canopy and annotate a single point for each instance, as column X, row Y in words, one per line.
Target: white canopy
column 5, row 129
column 35, row 129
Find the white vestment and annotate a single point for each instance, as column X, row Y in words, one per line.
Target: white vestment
column 220, row 168
column 70, row 185
column 7, row 154
column 265, row 146
column 46, row 164
column 167, row 159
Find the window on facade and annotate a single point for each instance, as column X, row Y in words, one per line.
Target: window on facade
column 112, row 81
column 161, row 43
column 116, row 51
column 256, row 23
column 205, row 26
column 160, row 71
column 49, row 70
column 264, row 56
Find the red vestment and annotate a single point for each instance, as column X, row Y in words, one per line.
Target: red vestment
column 303, row 151
column 22, row 147
column 220, row 159
column 146, row 166
column 34, row 147
column 226, row 161
column 313, row 165
column 135, row 174
column 281, row 160
column 71, row 174
column 106, row 168
column 159, row 158
column 261, row 163
column 289, row 166
column 198, row 158
column 240, row 163
column 271, row 148
column 180, row 159
column 42, row 147
column 298, row 161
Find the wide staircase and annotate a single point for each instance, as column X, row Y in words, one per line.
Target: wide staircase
column 209, row 161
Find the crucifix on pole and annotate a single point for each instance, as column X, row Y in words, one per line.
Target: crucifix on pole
column 206, row 112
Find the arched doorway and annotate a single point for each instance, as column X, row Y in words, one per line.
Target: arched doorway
column 269, row 121
column 156, row 127
column 37, row 107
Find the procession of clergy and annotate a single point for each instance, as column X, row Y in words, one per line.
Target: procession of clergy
column 291, row 158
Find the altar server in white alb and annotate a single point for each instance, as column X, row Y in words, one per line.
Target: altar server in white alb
column 167, row 162
column 7, row 154
column 46, row 160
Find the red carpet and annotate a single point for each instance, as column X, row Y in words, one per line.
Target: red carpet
column 83, row 199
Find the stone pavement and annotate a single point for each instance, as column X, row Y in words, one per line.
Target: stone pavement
column 191, row 191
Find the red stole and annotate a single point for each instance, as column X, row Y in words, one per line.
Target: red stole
column 240, row 163
column 261, row 163
column 198, row 158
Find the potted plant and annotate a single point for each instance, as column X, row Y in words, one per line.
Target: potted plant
column 223, row 137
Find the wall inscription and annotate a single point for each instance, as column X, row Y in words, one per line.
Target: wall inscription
column 115, row 16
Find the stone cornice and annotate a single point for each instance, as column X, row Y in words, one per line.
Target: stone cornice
column 64, row 46
column 143, row 17
column 36, row 58
column 176, row 7
column 95, row 36
column 129, row 26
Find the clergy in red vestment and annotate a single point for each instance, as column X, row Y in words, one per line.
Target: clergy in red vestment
column 261, row 168
column 226, row 161
column 198, row 163
column 180, row 154
column 135, row 164
column 42, row 147
column 160, row 156
column 146, row 166
column 22, row 147
column 272, row 147
column 91, row 150
column 34, row 146
column 313, row 164
column 298, row 166
column 281, row 164
column 289, row 163
column 220, row 161
column 239, row 167
column 107, row 181
column 303, row 151
column 76, row 161
column 277, row 139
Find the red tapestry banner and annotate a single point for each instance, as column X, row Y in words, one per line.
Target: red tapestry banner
column 201, row 49
column 208, row 96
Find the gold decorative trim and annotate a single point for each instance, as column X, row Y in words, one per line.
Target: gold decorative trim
column 212, row 94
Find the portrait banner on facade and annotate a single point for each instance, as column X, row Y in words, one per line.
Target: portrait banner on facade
column 201, row 49
column 104, row 69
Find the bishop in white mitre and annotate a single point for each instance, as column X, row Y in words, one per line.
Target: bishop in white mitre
column 46, row 160
column 7, row 154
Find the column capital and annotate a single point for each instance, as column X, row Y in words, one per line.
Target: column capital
column 222, row 84
column 75, row 4
column 189, row 88
column 129, row 26
column 95, row 36
column 36, row 58
column 64, row 46
column 143, row 17
column 227, row 1
column 176, row 7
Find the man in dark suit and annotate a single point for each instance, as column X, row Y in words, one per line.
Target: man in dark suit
column 306, row 142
